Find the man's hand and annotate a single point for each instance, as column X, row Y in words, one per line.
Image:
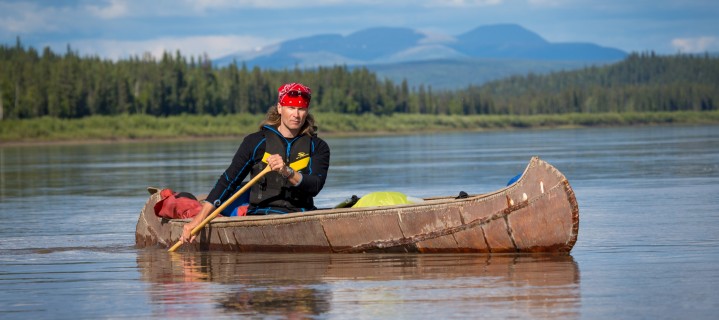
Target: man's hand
column 276, row 163
column 186, row 236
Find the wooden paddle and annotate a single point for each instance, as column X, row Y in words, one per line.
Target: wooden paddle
column 223, row 206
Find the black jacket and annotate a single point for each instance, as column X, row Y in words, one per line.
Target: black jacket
column 251, row 152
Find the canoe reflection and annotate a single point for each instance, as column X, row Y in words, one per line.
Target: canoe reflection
column 306, row 284
column 298, row 302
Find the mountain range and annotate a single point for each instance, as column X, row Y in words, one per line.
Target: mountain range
column 442, row 61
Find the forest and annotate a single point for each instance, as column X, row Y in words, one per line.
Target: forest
column 37, row 84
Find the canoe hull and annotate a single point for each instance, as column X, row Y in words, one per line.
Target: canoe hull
column 537, row 213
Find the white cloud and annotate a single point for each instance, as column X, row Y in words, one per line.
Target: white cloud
column 214, row 46
column 20, row 17
column 696, row 45
column 432, row 37
column 113, row 9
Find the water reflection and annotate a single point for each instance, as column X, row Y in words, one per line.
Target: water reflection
column 295, row 303
column 307, row 285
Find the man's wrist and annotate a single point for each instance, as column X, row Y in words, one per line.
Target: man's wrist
column 289, row 172
column 214, row 204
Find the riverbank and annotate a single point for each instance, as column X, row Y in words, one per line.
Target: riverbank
column 124, row 128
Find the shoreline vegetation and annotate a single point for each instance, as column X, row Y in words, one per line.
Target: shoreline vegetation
column 129, row 128
column 49, row 98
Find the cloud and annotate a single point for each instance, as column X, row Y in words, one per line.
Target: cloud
column 214, row 46
column 436, row 38
column 107, row 26
column 21, row 17
column 113, row 9
column 187, row 8
column 696, row 45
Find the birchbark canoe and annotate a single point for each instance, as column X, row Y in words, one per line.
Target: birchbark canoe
column 537, row 213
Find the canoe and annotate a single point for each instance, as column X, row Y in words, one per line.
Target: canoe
column 536, row 213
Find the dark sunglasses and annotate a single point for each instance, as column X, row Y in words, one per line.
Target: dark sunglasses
column 297, row 93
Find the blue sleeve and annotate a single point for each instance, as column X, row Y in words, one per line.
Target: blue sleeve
column 314, row 179
column 231, row 180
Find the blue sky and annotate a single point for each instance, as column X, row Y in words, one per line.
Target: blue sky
column 118, row 28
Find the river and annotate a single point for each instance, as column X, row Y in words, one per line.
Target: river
column 648, row 242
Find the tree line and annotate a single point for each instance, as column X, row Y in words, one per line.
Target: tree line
column 643, row 82
column 34, row 84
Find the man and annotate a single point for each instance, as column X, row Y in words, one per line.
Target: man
column 286, row 142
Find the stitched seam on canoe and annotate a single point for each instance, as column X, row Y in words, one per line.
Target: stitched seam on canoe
column 220, row 234
column 151, row 229
column 237, row 241
column 571, row 197
column 512, row 209
column 484, row 236
column 327, row 238
column 510, row 233
column 399, row 225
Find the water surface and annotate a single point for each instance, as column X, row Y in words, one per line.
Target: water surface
column 648, row 241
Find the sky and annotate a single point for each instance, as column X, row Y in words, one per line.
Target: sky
column 117, row 29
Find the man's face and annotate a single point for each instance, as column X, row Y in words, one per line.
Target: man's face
column 292, row 117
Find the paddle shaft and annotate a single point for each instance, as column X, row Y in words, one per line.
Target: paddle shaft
column 223, row 206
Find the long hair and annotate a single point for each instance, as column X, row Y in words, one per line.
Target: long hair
column 273, row 118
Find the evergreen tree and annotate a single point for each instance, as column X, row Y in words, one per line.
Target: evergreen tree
column 67, row 85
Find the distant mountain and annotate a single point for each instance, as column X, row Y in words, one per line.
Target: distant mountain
column 388, row 49
column 450, row 74
column 373, row 45
column 510, row 41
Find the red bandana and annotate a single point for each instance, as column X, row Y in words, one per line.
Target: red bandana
column 294, row 95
